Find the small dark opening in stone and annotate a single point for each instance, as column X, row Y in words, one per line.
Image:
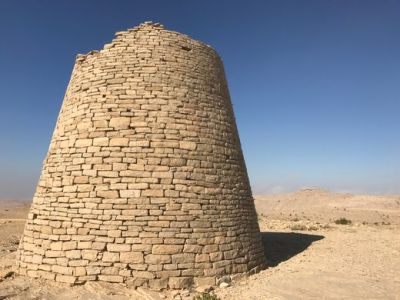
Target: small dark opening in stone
column 109, row 109
column 186, row 48
column 34, row 216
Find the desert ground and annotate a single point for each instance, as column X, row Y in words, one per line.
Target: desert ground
column 308, row 254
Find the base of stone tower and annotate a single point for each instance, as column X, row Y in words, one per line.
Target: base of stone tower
column 156, row 284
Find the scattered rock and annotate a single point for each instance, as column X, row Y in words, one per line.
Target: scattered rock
column 185, row 293
column 174, row 293
column 8, row 293
column 204, row 288
column 225, row 278
column 6, row 275
column 224, row 285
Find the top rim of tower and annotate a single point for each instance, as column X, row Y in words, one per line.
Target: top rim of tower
column 150, row 23
column 146, row 25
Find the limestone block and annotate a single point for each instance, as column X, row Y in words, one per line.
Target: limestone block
column 158, row 284
column 138, row 186
column 79, row 271
column 120, row 122
column 89, row 254
column 56, row 246
column 210, row 248
column 216, row 256
column 180, row 282
column 119, row 142
column 84, row 244
column 83, row 143
column 201, row 281
column 37, row 259
column 114, row 233
column 144, row 144
column 62, row 270
column 33, row 273
column 118, row 247
column 202, row 257
column 78, row 263
column 116, row 80
column 109, row 174
column 163, row 174
column 130, row 193
column 183, row 258
column 158, row 224
column 98, row 245
column 93, row 270
column 152, row 193
column 131, row 257
column 110, row 257
column 143, row 274
column 46, row 275
column 51, row 253
column 120, row 167
column 66, row 278
column 157, row 259
column 137, row 212
column 192, row 248
column 111, row 278
column 101, row 141
column 167, row 249
column 107, row 194
column 187, row 145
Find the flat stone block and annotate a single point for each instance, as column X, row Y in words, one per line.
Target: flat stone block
column 167, row 249
column 131, row 257
column 118, row 247
column 180, row 282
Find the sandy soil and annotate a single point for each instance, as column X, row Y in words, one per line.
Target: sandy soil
column 324, row 206
column 309, row 256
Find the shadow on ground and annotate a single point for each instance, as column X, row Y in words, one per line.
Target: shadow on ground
column 281, row 246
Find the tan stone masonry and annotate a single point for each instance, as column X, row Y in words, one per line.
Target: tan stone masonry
column 144, row 181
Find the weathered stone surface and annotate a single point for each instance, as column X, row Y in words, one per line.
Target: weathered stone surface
column 157, row 259
column 131, row 257
column 107, row 194
column 130, row 193
column 201, row 281
column 180, row 282
column 111, row 278
column 89, row 254
column 158, row 284
column 167, row 249
column 144, row 181
column 187, row 145
column 119, row 141
column 118, row 247
column 66, row 278
column 73, row 254
column 83, row 143
column 120, row 122
column 110, row 257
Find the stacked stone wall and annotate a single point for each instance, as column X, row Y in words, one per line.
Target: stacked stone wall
column 144, row 181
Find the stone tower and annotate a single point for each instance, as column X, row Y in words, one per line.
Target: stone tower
column 144, row 181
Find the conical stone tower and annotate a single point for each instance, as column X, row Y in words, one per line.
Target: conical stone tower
column 144, row 181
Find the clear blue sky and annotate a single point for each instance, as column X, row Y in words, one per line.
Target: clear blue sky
column 315, row 84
